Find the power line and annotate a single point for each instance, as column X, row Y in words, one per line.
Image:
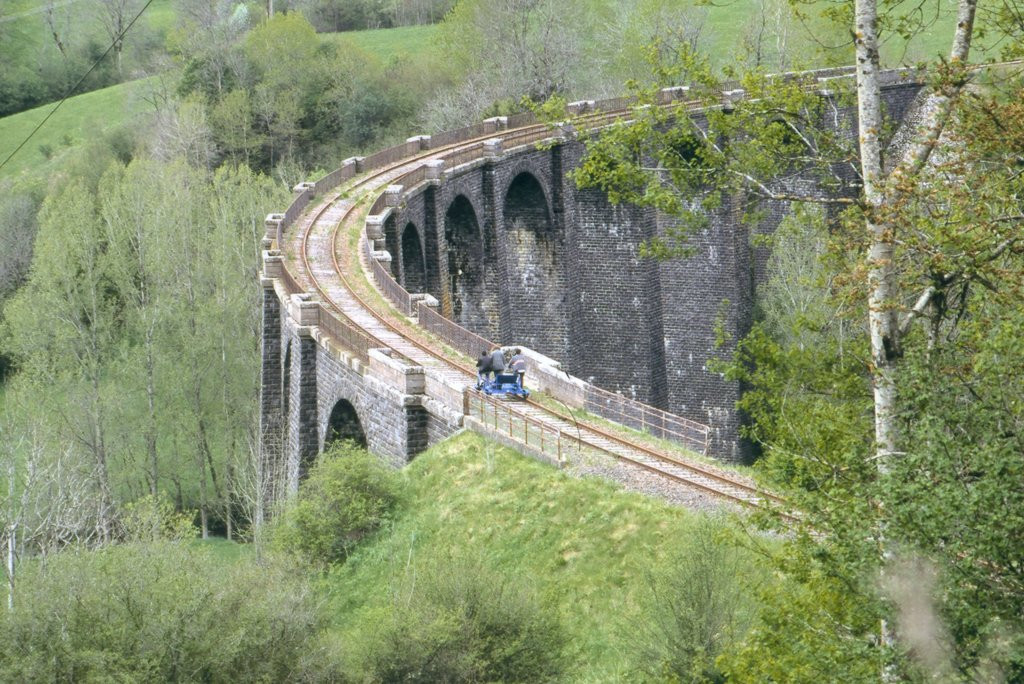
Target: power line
column 73, row 88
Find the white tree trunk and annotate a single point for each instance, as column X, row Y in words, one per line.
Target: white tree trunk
column 881, row 307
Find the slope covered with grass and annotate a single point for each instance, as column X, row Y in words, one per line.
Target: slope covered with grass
column 79, row 120
column 584, row 546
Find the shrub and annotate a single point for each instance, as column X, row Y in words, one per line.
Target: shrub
column 696, row 607
column 162, row 611
column 461, row 621
column 349, row 495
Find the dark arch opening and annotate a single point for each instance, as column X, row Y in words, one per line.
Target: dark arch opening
column 472, row 298
column 286, row 383
column 414, row 266
column 685, row 148
column 536, row 280
column 391, row 243
column 344, row 424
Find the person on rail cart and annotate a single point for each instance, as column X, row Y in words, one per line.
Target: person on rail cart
column 497, row 362
column 483, row 367
column 518, row 365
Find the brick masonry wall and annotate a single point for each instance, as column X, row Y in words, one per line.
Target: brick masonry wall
column 381, row 412
column 272, row 450
column 532, row 254
column 614, row 303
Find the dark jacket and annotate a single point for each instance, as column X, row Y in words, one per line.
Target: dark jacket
column 497, row 360
column 483, row 362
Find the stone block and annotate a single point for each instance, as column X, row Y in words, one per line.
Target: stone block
column 356, row 163
column 434, row 169
column 273, row 264
column 492, row 147
column 272, row 225
column 396, row 373
column 393, row 195
column 495, row 123
column 304, row 310
column 375, row 226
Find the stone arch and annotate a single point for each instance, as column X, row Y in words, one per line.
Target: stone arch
column 534, row 263
column 343, row 423
column 391, row 243
column 472, row 294
column 414, row 264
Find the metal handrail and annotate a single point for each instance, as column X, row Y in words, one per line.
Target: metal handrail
column 397, row 294
column 348, row 334
column 549, row 440
column 648, row 419
column 463, row 156
column 458, row 135
column 453, row 334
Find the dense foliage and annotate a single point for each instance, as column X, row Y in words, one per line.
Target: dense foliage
column 160, row 611
column 903, row 562
column 348, row 495
column 458, row 620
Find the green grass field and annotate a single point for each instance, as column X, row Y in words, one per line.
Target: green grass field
column 584, row 544
column 24, row 20
column 87, row 116
column 79, row 120
column 408, row 41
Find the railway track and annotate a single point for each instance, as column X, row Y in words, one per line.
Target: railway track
column 318, row 241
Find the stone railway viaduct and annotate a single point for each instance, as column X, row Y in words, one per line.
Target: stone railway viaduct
column 496, row 238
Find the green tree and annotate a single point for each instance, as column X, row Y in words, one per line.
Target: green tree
column 64, row 328
column 695, row 608
column 161, row 611
column 348, row 495
column 138, row 325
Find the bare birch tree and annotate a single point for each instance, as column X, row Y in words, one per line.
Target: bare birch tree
column 115, row 16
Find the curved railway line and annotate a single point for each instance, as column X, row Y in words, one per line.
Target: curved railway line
column 323, row 230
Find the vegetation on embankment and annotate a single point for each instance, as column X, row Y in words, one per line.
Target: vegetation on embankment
column 474, row 563
column 585, row 550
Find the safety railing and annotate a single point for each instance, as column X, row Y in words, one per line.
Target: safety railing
column 521, row 119
column 295, row 210
column 463, row 156
column 453, row 334
column 334, row 178
column 348, row 335
column 458, row 135
column 389, row 155
column 554, row 443
column 615, row 104
column 527, row 137
column 647, row 419
column 291, row 285
column 414, row 177
column 387, row 284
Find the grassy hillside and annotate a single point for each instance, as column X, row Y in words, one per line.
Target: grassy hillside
column 408, row 41
column 84, row 117
column 80, row 119
column 581, row 543
column 25, row 29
